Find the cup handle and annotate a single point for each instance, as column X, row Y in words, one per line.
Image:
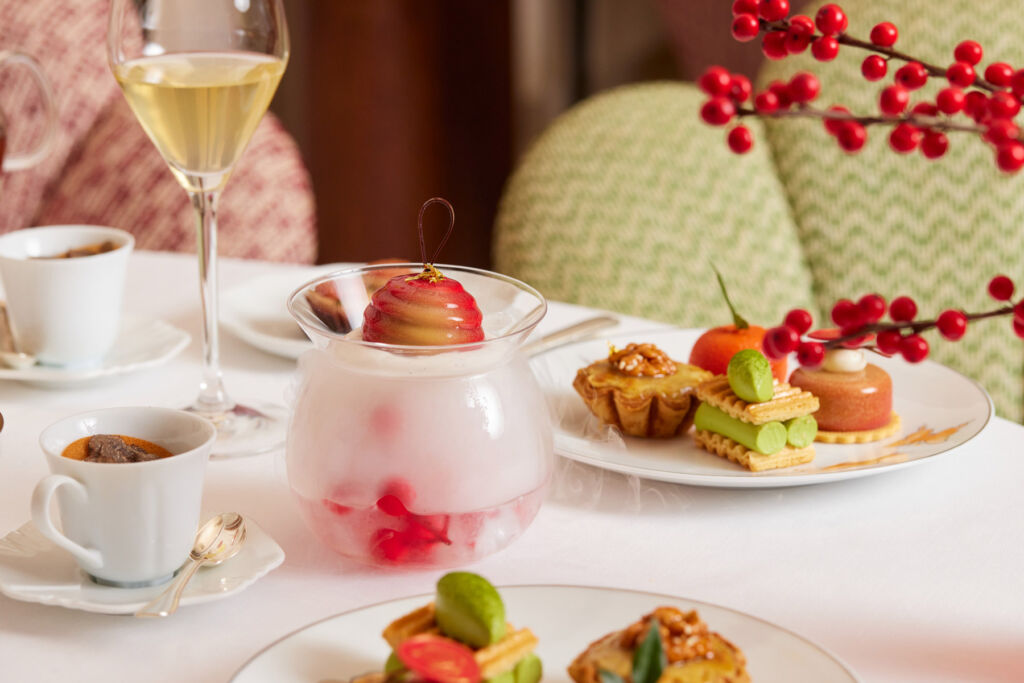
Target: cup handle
column 28, row 159
column 91, row 559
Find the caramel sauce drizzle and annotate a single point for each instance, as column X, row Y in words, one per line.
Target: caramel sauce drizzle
column 922, row 435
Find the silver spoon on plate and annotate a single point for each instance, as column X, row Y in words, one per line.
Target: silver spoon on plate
column 218, row 539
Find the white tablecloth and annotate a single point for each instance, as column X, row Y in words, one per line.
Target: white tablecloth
column 913, row 575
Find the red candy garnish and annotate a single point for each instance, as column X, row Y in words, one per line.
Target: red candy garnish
column 439, row 659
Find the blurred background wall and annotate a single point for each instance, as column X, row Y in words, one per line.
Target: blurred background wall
column 396, row 101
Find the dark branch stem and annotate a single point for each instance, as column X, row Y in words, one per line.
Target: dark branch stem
column 914, row 327
column 918, row 120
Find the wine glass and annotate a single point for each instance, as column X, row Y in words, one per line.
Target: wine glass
column 199, row 75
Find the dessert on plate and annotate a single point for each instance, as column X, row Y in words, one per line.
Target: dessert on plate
column 461, row 637
column 640, row 390
column 855, row 397
column 692, row 653
column 754, row 420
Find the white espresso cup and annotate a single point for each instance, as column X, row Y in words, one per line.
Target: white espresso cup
column 64, row 311
column 126, row 524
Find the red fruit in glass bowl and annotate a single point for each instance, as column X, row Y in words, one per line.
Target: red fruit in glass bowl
column 428, row 309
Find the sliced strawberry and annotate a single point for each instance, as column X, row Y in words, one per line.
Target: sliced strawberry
column 440, row 659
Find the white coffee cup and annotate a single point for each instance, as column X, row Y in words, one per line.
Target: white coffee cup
column 126, row 524
column 65, row 312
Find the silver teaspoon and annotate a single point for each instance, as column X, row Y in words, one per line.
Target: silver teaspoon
column 218, row 539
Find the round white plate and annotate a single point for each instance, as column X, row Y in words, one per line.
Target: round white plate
column 141, row 344
column 566, row 619
column 33, row 569
column 257, row 312
column 951, row 409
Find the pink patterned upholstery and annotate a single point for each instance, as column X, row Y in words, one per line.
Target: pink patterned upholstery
column 104, row 170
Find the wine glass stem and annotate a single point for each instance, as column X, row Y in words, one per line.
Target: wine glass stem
column 212, row 399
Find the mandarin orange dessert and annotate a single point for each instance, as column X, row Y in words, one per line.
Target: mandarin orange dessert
column 641, row 391
column 754, row 420
column 683, row 650
column 460, row 637
column 713, row 349
column 855, row 397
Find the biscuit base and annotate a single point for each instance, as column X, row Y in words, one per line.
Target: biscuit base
column 861, row 436
column 755, row 462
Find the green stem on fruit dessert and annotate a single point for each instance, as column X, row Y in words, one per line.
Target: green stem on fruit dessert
column 737, row 319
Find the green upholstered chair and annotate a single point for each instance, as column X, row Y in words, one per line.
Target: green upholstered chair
column 626, row 200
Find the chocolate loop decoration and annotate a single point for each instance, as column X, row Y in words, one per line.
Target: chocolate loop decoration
column 447, row 234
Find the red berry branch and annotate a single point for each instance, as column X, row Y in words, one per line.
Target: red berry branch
column 986, row 104
column 859, row 325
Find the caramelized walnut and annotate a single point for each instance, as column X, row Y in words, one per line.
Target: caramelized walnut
column 642, row 360
column 684, row 635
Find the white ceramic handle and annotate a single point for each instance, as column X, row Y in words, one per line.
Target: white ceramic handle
column 20, row 162
column 90, row 559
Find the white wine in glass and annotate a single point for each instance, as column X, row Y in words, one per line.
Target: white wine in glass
column 199, row 75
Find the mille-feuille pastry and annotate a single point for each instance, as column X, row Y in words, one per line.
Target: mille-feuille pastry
column 693, row 653
column 461, row 637
column 855, row 396
column 640, row 390
column 755, row 421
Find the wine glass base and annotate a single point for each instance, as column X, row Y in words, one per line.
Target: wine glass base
column 246, row 429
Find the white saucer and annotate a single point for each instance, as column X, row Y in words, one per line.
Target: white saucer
column 142, row 343
column 257, row 311
column 33, row 569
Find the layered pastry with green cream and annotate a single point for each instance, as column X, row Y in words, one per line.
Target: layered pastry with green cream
column 748, row 417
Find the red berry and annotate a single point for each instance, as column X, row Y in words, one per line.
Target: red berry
column 804, row 87
column 1018, row 311
column 833, row 126
column 874, row 67
column 1010, row 156
column 740, row 140
column 715, row 81
column 810, row 354
column 1003, row 105
column 872, row 307
column 952, row 324
column 745, row 27
column 1001, row 130
column 904, row 138
column 903, row 309
column 914, row 348
column 1017, row 83
column 766, row 102
column 925, row 109
column 968, row 51
column 825, row 48
column 1018, row 328
column 773, row 45
column 960, row 74
column 912, row 75
column 780, row 341
column 718, row 111
column 800, row 320
column 798, row 37
column 884, row 34
column 999, row 73
column 888, row 341
column 1000, row 288
column 976, row 104
column 950, row 100
column 781, row 91
column 894, row 100
column 852, row 136
column 831, row 20
column 934, row 144
column 744, row 7
column 846, row 314
column 773, row 10
column 740, row 88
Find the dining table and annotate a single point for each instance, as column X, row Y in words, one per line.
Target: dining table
column 911, row 575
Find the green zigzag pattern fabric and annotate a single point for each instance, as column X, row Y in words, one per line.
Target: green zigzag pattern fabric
column 880, row 221
column 626, row 201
